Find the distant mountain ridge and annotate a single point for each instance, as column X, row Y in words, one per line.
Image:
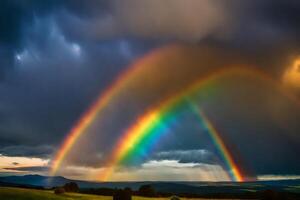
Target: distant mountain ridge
column 179, row 187
column 48, row 182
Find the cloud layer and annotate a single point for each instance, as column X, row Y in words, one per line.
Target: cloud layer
column 57, row 56
column 186, row 20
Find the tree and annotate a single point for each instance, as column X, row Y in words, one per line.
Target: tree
column 146, row 191
column 122, row 194
column 128, row 191
column 71, row 187
column 272, row 195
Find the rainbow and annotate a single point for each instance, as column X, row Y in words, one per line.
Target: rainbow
column 119, row 85
column 96, row 108
column 235, row 172
column 146, row 126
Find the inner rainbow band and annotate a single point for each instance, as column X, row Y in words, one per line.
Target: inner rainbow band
column 234, row 172
column 145, row 125
column 110, row 93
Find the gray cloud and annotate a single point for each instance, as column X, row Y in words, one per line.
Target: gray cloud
column 186, row 20
column 54, row 80
column 35, row 169
column 188, row 156
column 24, row 150
column 14, row 14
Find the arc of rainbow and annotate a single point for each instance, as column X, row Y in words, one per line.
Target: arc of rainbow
column 97, row 107
column 148, row 121
column 104, row 98
column 235, row 173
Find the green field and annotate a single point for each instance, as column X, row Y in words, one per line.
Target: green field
column 7, row 193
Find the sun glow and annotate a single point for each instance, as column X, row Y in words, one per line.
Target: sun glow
column 291, row 76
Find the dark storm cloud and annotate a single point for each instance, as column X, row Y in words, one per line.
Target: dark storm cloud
column 13, row 16
column 57, row 55
column 53, row 81
column 30, row 151
column 284, row 15
column 267, row 30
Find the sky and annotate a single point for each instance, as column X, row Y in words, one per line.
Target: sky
column 57, row 57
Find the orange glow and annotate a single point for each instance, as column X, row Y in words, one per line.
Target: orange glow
column 291, row 76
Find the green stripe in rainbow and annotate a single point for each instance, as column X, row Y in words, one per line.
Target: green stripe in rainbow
column 161, row 125
column 235, row 173
column 146, row 125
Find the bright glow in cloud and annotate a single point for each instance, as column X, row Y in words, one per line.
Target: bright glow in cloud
column 18, row 57
column 184, row 20
column 76, row 49
column 11, row 162
column 168, row 163
column 24, row 56
column 196, row 155
column 291, row 76
column 153, row 170
column 277, row 177
column 172, row 170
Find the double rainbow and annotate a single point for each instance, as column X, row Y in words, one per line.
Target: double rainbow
column 150, row 125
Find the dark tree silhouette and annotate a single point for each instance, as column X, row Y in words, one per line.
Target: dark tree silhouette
column 128, row 190
column 122, row 194
column 71, row 187
column 146, row 191
column 272, row 195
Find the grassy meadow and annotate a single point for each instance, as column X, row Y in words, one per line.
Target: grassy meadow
column 7, row 193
